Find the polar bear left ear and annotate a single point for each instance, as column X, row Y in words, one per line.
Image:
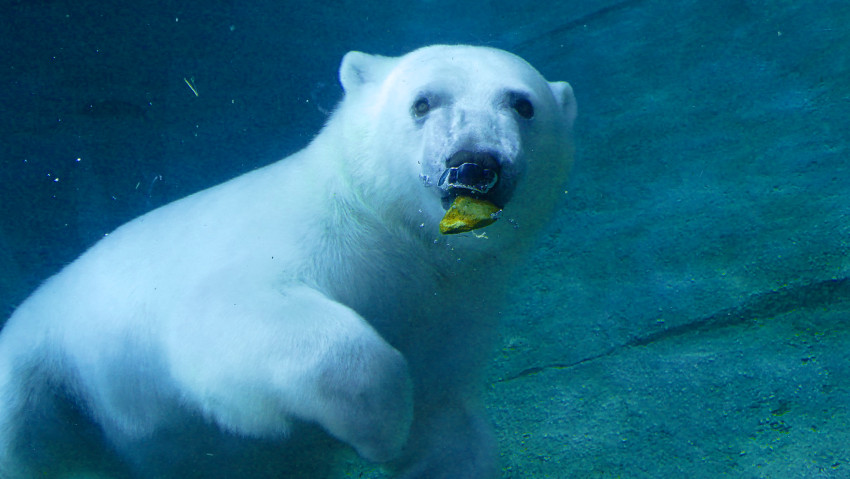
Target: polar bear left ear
column 358, row 69
column 563, row 93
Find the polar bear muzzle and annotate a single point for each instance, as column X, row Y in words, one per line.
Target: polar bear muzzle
column 470, row 173
column 467, row 183
column 469, row 176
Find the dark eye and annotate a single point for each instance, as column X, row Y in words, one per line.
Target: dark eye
column 523, row 107
column 421, row 107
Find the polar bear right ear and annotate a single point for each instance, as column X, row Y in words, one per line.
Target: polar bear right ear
column 358, row 69
column 563, row 93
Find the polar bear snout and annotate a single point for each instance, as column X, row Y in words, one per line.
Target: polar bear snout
column 476, row 174
column 473, row 172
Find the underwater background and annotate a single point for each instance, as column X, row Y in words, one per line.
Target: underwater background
column 687, row 312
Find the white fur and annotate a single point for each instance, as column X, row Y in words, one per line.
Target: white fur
column 316, row 289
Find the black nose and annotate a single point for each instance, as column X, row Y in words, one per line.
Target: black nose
column 466, row 170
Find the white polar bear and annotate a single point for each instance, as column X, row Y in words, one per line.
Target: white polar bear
column 208, row 338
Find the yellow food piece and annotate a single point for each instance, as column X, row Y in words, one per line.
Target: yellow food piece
column 466, row 214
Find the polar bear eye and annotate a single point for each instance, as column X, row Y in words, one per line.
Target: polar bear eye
column 421, row 107
column 522, row 106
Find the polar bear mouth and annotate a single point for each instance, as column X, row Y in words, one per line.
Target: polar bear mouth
column 469, row 176
column 469, row 173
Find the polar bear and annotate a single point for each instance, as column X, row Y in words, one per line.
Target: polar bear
column 312, row 298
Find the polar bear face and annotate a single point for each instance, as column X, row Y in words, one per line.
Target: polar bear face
column 459, row 120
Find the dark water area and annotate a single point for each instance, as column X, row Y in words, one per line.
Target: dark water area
column 687, row 312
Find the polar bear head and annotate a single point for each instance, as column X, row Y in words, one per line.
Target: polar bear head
column 410, row 121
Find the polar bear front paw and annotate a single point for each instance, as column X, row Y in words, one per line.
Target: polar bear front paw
column 366, row 398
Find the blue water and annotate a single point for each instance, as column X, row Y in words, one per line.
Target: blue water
column 686, row 314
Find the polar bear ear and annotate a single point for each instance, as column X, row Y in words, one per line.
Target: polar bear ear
column 566, row 100
column 358, row 69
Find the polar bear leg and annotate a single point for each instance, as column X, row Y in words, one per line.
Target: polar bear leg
column 451, row 437
column 250, row 362
column 454, row 442
column 294, row 353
